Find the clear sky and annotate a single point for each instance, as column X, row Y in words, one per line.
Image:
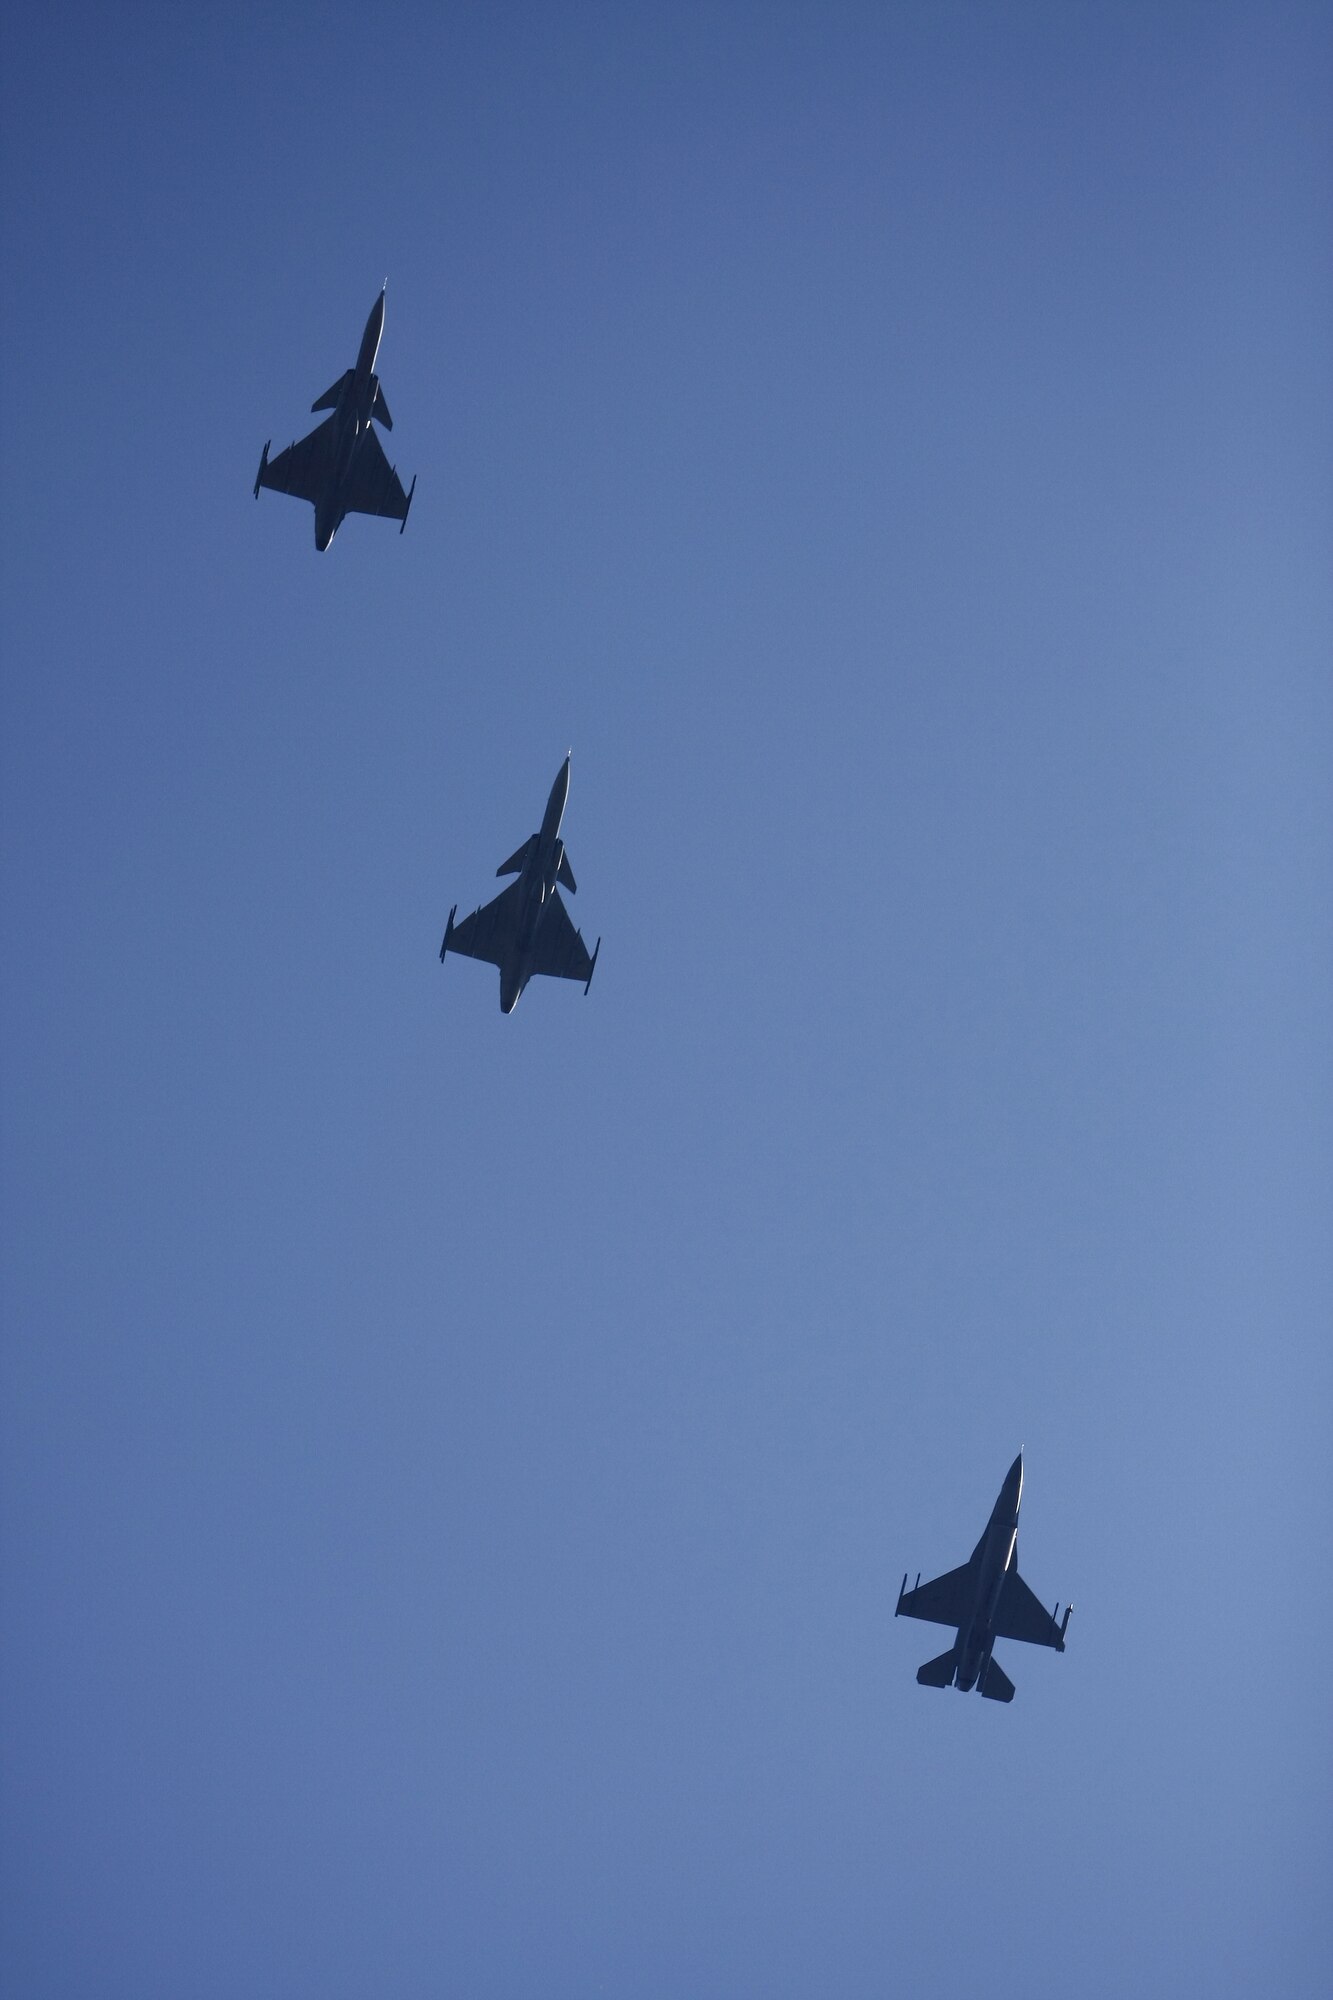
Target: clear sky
column 456, row 1471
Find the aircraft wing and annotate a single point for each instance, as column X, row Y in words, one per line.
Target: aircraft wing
column 489, row 933
column 304, row 468
column 1020, row 1615
column 372, row 486
column 560, row 951
column 947, row 1600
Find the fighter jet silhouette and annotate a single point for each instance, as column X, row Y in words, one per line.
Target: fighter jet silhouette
column 341, row 468
column 527, row 928
column 987, row 1600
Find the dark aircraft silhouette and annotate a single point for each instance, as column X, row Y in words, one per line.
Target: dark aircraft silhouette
column 987, row 1600
column 341, row 468
column 527, row 928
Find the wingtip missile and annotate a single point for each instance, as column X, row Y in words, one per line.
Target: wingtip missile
column 408, row 508
column 1065, row 1626
column 263, row 468
column 448, row 932
column 592, row 968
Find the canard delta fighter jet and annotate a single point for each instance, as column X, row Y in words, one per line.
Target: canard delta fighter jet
column 987, row 1600
column 341, row 468
column 527, row 928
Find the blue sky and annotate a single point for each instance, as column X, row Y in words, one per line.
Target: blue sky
column 455, row 1471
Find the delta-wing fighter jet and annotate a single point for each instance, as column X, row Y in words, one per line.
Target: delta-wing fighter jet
column 527, row 928
column 341, row 468
column 987, row 1600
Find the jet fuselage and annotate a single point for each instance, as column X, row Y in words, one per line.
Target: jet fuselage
column 351, row 416
column 364, row 372
column 536, row 882
column 977, row 1637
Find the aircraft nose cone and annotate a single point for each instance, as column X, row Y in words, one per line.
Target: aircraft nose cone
column 1013, row 1481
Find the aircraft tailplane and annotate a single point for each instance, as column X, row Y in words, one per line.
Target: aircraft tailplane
column 995, row 1683
column 329, row 400
column 939, row 1673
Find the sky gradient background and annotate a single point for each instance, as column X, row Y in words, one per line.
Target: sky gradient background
column 455, row 1471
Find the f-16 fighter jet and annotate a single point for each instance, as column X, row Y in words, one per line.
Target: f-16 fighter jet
column 341, row 468
column 527, row 928
column 987, row 1600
